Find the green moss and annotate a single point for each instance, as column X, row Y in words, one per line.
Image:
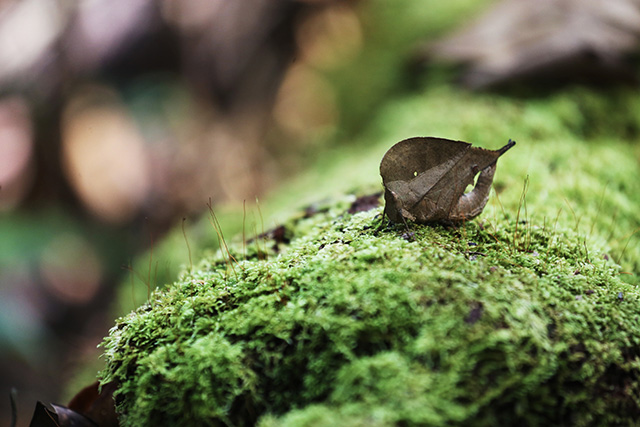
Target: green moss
column 578, row 146
column 528, row 315
column 367, row 323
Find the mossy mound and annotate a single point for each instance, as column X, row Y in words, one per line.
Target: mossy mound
column 521, row 317
column 354, row 322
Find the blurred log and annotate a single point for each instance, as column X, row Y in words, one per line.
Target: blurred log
column 553, row 41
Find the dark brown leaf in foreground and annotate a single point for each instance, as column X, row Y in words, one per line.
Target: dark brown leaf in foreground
column 97, row 404
column 90, row 407
column 58, row 416
column 425, row 178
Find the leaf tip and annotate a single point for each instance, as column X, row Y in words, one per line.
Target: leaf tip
column 510, row 144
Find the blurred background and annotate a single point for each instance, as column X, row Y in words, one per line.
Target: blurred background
column 121, row 118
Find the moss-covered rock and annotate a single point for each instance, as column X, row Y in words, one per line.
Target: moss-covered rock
column 355, row 322
column 528, row 315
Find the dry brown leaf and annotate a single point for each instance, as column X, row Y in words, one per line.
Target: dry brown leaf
column 425, row 178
